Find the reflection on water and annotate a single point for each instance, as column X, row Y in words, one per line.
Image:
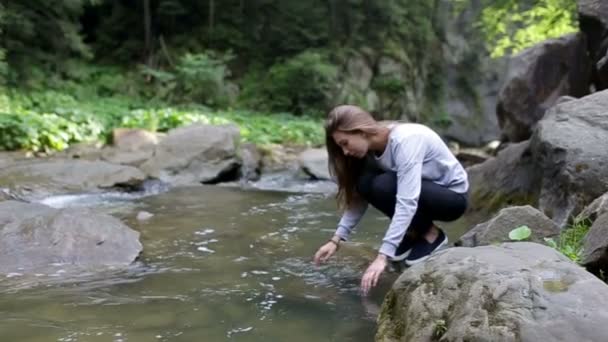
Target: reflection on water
column 219, row 264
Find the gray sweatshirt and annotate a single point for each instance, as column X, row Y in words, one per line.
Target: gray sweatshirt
column 414, row 152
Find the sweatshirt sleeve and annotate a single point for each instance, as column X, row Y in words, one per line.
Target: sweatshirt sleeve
column 350, row 218
column 408, row 156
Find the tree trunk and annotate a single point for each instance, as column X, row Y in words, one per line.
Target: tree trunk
column 147, row 32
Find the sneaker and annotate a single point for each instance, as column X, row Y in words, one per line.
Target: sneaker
column 422, row 250
column 404, row 249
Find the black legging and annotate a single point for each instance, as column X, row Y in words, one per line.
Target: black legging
column 436, row 202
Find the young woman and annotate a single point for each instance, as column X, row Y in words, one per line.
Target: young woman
column 404, row 170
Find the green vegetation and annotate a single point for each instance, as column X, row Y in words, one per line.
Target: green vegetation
column 569, row 242
column 74, row 69
column 51, row 121
column 571, row 239
column 512, row 25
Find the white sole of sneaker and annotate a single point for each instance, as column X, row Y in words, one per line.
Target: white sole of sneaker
column 419, row 260
column 401, row 257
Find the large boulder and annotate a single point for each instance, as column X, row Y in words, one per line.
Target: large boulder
column 513, row 292
column 595, row 244
column 508, row 179
column 34, row 237
column 498, row 228
column 537, row 77
column 196, row 154
column 569, row 148
column 35, row 179
column 314, row 162
column 593, row 20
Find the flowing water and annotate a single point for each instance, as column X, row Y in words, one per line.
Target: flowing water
column 219, row 264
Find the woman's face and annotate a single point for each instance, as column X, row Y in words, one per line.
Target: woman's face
column 352, row 144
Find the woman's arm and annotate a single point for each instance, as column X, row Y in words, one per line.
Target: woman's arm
column 351, row 218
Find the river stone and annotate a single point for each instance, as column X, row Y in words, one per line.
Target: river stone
column 251, row 158
column 498, row 228
column 34, row 236
column 569, row 148
column 595, row 247
column 537, row 77
column 512, row 292
column 595, row 244
column 196, row 154
column 593, row 20
column 508, row 179
column 133, row 139
column 314, row 162
column 35, row 179
column 597, row 208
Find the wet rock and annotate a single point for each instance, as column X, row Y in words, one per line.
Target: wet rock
column 34, row 237
column 251, row 160
column 35, row 179
column 498, row 228
column 508, row 179
column 512, row 292
column 537, row 77
column 196, row 154
column 314, row 163
column 569, row 148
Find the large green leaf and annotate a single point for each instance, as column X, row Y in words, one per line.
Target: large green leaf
column 520, row 233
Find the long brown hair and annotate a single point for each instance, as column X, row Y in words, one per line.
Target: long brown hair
column 347, row 169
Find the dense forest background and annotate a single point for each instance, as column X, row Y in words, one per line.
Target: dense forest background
column 71, row 70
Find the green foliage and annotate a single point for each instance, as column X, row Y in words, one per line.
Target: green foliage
column 197, row 77
column 44, row 121
column 301, row 84
column 520, row 233
column 570, row 241
column 511, row 27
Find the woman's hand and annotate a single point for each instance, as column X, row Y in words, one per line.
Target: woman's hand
column 373, row 272
column 326, row 251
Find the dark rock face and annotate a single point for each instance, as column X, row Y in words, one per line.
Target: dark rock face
column 536, row 79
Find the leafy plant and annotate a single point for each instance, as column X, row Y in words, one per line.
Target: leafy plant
column 520, row 233
column 301, row 84
column 570, row 241
column 511, row 26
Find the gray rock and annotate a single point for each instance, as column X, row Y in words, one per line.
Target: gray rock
column 593, row 21
column 595, row 247
column 35, row 179
column 508, row 179
column 512, row 292
column 251, row 160
column 498, row 228
column 314, row 162
column 569, row 148
column 33, row 237
column 127, row 157
column 133, row 139
column 597, row 208
column 86, row 151
column 196, row 154
column 473, row 79
column 537, row 77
